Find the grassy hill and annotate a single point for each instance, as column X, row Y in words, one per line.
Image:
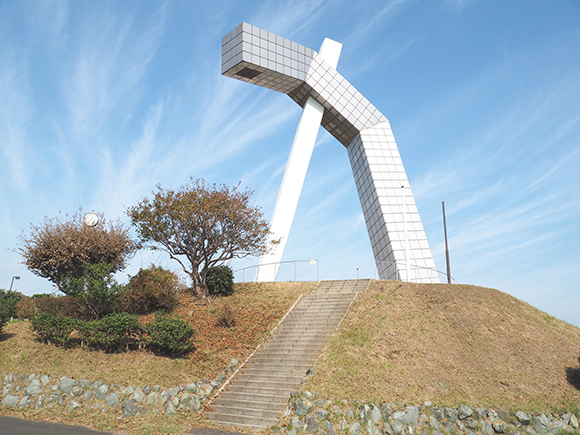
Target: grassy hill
column 450, row 344
column 400, row 342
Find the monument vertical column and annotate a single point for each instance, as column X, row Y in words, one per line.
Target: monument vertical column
column 295, row 173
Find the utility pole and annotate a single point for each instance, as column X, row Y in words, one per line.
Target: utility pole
column 446, row 246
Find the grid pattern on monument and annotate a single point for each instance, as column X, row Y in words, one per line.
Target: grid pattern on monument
column 379, row 174
column 259, row 57
column 346, row 111
column 285, row 66
column 282, row 64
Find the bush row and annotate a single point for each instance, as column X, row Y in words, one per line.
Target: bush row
column 116, row 332
column 151, row 290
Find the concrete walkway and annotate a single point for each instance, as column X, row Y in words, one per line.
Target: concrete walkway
column 258, row 393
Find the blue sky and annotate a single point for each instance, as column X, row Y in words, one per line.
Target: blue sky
column 101, row 101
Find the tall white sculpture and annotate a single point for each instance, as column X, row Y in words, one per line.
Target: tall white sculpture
column 396, row 233
column 295, row 173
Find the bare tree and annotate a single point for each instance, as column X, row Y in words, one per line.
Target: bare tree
column 201, row 226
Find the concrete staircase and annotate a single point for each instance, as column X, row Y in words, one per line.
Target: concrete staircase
column 257, row 395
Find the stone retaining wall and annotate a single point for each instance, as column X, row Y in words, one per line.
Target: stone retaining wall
column 46, row 391
column 306, row 413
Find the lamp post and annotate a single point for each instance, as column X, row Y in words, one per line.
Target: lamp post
column 406, row 236
column 12, row 282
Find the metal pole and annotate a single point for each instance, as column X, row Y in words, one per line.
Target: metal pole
column 446, row 247
column 295, row 263
column 406, row 237
column 12, row 282
column 317, row 270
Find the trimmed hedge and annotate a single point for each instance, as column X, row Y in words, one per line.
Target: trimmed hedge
column 116, row 332
column 55, row 329
column 112, row 333
column 170, row 335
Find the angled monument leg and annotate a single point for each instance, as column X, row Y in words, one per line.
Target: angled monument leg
column 397, row 238
column 295, row 173
column 291, row 187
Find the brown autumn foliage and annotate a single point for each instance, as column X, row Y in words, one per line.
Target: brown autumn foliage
column 63, row 246
column 201, row 226
column 150, row 290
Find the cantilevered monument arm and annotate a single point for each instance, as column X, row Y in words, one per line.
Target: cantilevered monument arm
column 396, row 233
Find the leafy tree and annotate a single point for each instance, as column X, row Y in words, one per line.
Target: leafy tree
column 64, row 247
column 201, row 226
column 97, row 289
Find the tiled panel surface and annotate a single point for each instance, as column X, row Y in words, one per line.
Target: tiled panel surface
column 381, row 182
column 278, row 63
column 262, row 58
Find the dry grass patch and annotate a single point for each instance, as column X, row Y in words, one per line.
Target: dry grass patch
column 258, row 307
column 408, row 343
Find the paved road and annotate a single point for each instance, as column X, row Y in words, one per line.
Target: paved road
column 210, row 431
column 18, row 426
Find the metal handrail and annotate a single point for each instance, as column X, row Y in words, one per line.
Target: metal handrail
column 243, row 269
column 414, row 266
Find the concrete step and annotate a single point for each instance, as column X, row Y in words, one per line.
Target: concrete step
column 251, row 422
column 246, row 411
column 232, row 390
column 259, row 393
column 259, row 383
column 242, row 399
column 261, row 375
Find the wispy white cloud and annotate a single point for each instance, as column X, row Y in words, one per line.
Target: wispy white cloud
column 290, row 18
column 111, row 62
column 15, row 118
column 459, row 5
column 47, row 21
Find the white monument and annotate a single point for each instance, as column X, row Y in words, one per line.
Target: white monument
column 396, row 233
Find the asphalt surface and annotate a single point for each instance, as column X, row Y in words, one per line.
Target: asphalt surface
column 210, row 431
column 18, row 426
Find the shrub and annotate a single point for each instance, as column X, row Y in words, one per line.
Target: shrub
column 97, row 289
column 4, row 317
column 55, row 329
column 225, row 316
column 151, row 290
column 26, row 308
column 220, row 281
column 8, row 301
column 112, row 333
column 169, row 335
column 66, row 306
